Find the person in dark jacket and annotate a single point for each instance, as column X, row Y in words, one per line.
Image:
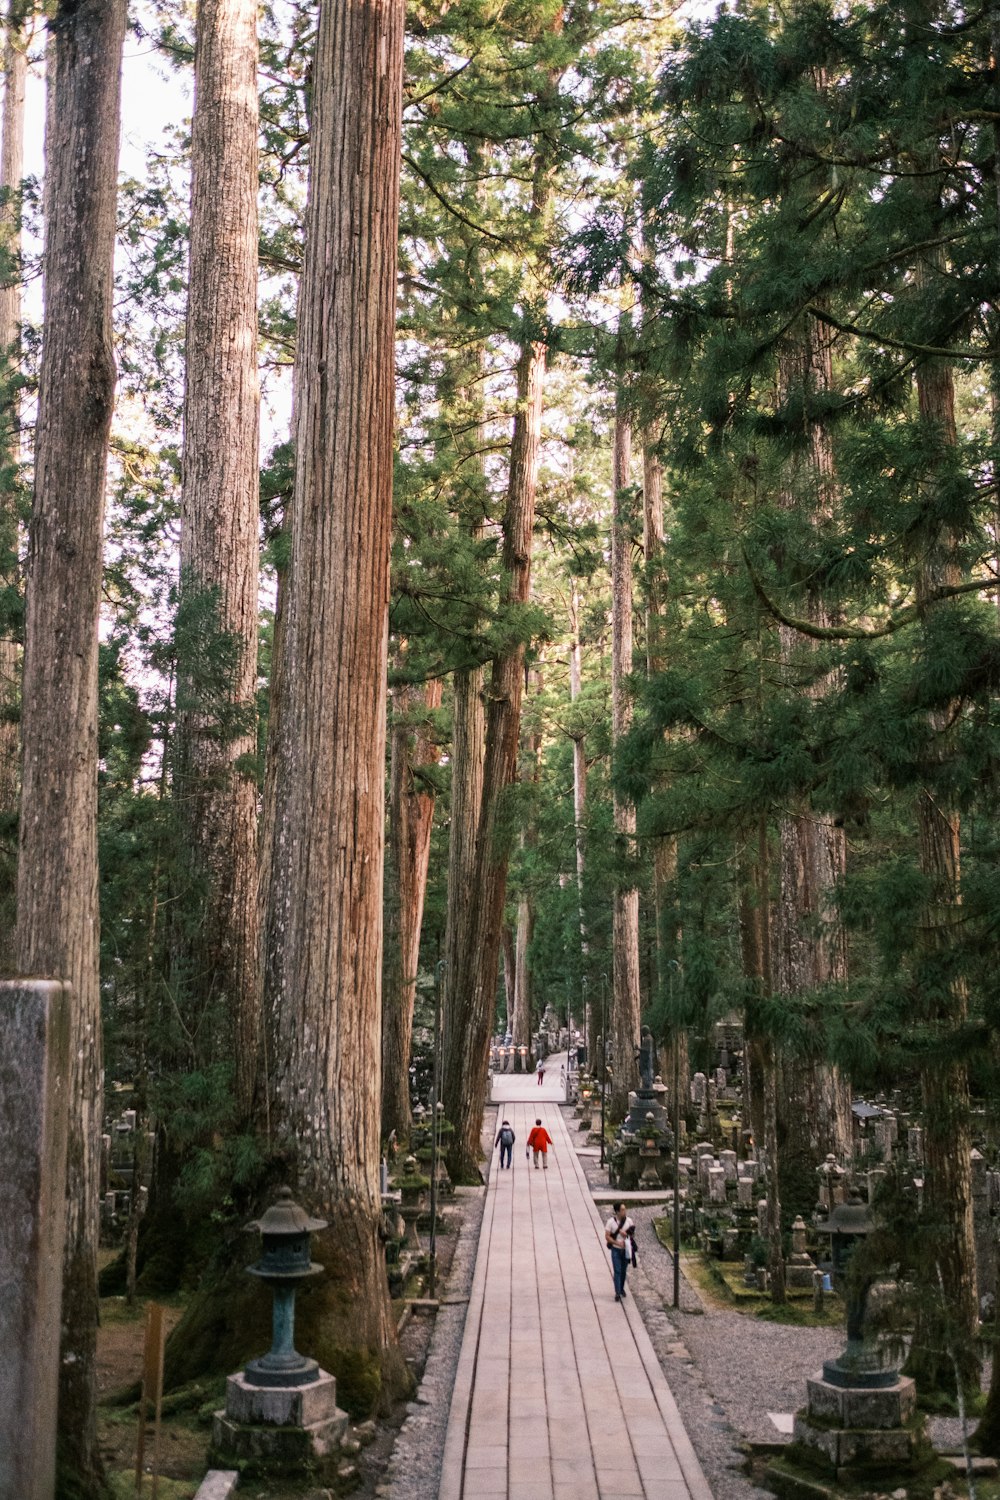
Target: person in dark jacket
column 505, row 1140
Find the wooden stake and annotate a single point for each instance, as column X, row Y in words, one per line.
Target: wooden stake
column 152, row 1390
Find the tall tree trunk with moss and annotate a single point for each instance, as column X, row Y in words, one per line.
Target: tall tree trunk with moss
column 216, row 785
column 11, row 175
column 323, row 932
column 57, row 906
column 625, row 901
column 412, row 747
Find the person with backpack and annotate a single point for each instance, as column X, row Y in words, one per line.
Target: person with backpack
column 619, row 1234
column 505, row 1140
column 539, row 1142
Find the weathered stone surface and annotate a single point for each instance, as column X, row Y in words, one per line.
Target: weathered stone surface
column 34, row 1061
column 218, row 1484
column 282, row 1447
column 849, row 1406
column 273, row 1406
column 857, row 1448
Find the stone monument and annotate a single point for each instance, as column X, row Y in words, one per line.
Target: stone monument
column 34, row 1082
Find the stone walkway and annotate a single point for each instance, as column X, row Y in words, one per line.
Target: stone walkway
column 558, row 1395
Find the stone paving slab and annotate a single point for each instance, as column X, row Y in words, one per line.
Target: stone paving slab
column 558, row 1393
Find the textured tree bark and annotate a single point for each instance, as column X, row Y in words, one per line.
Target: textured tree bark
column 944, row 1083
column 664, row 846
column 579, row 765
column 57, row 917
column 529, row 771
column 468, row 752
column 810, row 946
column 625, row 1004
column 11, row 175
column 509, row 966
column 323, row 934
column 412, row 745
column 217, row 950
column 473, row 971
column 760, row 1061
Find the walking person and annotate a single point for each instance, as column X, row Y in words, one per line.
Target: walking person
column 539, row 1141
column 541, row 1072
column 619, row 1233
column 505, row 1140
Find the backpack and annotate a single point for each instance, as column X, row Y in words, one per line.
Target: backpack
column 506, row 1136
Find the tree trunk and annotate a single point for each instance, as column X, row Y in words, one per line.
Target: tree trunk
column 522, row 974
column 468, row 751
column 412, row 745
column 509, row 975
column 530, row 771
column 625, row 908
column 579, row 762
column 217, row 622
column 810, row 947
column 323, row 935
column 664, row 845
column 759, row 1058
column 58, row 918
column 473, row 975
column 944, row 1082
column 11, row 175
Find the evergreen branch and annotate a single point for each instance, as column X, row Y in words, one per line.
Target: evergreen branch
column 926, row 350
column 443, row 84
column 455, row 212
column 856, row 632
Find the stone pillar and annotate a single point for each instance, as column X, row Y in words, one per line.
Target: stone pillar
column 34, row 1062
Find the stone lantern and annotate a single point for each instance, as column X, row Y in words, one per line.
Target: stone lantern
column 281, row 1410
column 860, row 1363
column 860, row 1419
column 284, row 1263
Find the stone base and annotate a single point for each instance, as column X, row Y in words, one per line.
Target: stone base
column 281, row 1426
column 857, row 1432
column 799, row 1276
column 857, row 1449
column 881, row 1408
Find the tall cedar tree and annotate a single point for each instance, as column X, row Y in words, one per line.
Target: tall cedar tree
column 412, row 749
column 323, row 939
column 57, row 911
column 625, row 1003
column 215, row 747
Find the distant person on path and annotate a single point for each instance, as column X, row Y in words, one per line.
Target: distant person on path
column 541, row 1073
column 539, row 1141
column 505, row 1140
column 619, row 1232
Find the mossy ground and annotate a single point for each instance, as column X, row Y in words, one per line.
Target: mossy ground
column 721, row 1283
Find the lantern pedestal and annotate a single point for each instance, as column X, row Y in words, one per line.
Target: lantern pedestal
column 281, row 1412
column 279, row 1426
column 853, row 1434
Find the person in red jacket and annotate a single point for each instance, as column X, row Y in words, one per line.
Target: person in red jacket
column 539, row 1142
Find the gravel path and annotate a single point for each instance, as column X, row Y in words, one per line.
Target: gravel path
column 727, row 1371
